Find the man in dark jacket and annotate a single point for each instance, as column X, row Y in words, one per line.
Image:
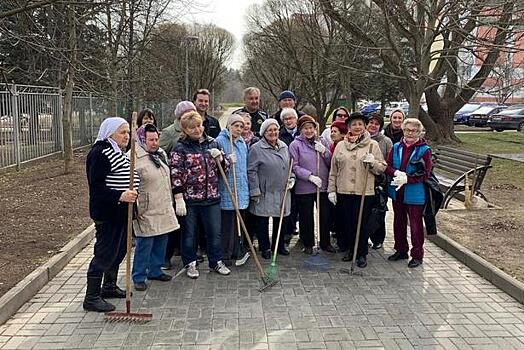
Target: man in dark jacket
column 286, row 99
column 211, row 124
column 252, row 106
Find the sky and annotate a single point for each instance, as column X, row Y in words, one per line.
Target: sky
column 227, row 14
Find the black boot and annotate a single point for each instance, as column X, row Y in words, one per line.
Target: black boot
column 93, row 301
column 109, row 288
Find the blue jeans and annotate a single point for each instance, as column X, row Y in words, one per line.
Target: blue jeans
column 210, row 217
column 149, row 257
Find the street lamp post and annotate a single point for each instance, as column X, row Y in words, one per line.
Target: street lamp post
column 188, row 39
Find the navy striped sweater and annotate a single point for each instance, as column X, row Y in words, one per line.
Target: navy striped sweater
column 107, row 177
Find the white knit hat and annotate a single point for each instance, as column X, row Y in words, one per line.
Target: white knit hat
column 266, row 124
column 234, row 118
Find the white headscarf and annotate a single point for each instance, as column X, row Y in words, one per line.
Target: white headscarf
column 108, row 127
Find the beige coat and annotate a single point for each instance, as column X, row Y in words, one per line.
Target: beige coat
column 347, row 174
column 156, row 215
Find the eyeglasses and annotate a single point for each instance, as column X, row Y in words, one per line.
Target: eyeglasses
column 341, row 115
column 411, row 131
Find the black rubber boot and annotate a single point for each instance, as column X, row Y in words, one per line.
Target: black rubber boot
column 109, row 288
column 93, row 301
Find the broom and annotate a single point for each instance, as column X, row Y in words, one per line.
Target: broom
column 241, row 253
column 128, row 316
column 272, row 269
column 316, row 261
column 264, row 279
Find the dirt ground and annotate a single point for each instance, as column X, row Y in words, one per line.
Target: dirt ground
column 497, row 235
column 41, row 210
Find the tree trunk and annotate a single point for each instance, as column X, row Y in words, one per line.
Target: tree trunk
column 67, row 127
column 438, row 121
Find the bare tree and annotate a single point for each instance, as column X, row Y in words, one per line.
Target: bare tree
column 419, row 44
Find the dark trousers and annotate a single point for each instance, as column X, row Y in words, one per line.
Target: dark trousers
column 400, row 230
column 291, row 222
column 209, row 215
column 379, row 235
column 262, row 232
column 110, row 247
column 349, row 205
column 250, row 221
column 173, row 242
column 230, row 233
column 306, row 219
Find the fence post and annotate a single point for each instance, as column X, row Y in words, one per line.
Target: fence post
column 16, row 126
column 91, row 118
column 60, row 115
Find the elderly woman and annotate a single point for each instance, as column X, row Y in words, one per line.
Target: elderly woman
column 394, row 129
column 409, row 163
column 194, row 178
column 267, row 170
column 378, row 232
column 353, row 157
column 231, row 136
column 304, row 152
column 155, row 213
column 108, row 170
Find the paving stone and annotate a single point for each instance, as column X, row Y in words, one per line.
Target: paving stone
column 442, row 305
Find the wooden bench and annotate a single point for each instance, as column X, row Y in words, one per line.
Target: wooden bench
column 451, row 166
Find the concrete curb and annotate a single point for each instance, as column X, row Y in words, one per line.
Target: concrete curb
column 29, row 286
column 488, row 271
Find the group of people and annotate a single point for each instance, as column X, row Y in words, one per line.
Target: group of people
column 193, row 177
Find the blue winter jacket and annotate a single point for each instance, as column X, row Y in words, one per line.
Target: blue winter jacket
column 240, row 151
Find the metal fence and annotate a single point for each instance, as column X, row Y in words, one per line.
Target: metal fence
column 31, row 122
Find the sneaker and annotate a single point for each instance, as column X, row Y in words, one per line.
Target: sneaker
column 222, row 269
column 191, row 270
column 376, row 246
column 242, row 260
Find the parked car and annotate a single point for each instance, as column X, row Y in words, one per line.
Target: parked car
column 392, row 106
column 480, row 116
column 462, row 116
column 370, row 108
column 508, row 119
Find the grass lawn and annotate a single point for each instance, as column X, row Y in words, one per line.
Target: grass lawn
column 504, row 172
column 491, row 142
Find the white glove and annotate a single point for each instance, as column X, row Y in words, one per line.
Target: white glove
column 317, row 181
column 400, row 180
column 398, row 172
column 369, row 158
column 319, row 147
column 332, row 196
column 290, row 183
column 232, row 158
column 215, row 152
column 180, row 207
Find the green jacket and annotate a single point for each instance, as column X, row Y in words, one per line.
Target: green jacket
column 169, row 136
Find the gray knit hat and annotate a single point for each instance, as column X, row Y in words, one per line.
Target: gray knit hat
column 183, row 107
column 266, row 124
column 234, row 118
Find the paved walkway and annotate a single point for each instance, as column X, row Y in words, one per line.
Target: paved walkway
column 441, row 305
column 519, row 157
